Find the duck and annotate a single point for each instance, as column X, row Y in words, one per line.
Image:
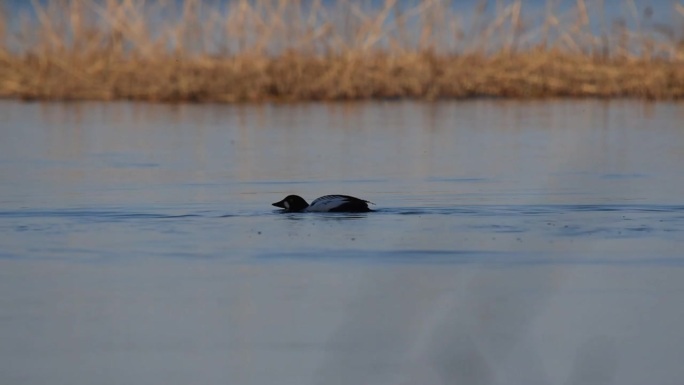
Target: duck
column 324, row 204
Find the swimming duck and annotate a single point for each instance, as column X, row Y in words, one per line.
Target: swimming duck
column 327, row 203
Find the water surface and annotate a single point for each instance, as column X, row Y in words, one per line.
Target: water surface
column 513, row 242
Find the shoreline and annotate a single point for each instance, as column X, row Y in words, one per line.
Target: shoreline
column 294, row 78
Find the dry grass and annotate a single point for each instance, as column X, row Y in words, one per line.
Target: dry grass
column 264, row 50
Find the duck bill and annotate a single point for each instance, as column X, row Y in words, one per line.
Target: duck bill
column 280, row 204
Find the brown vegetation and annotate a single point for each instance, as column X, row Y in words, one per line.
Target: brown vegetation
column 263, row 50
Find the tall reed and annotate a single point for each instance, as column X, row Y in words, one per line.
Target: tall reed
column 265, row 50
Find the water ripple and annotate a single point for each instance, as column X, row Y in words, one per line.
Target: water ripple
column 79, row 213
column 469, row 210
column 465, row 257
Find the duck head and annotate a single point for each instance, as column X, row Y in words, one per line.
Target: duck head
column 292, row 203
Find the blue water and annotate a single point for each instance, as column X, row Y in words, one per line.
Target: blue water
column 512, row 242
column 479, row 234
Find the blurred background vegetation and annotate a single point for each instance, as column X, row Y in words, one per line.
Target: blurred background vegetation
column 278, row 50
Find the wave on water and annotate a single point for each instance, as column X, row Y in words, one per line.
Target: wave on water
column 468, row 257
column 461, row 210
column 88, row 213
column 516, row 210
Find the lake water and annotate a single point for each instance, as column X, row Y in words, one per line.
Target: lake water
column 513, row 243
